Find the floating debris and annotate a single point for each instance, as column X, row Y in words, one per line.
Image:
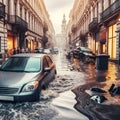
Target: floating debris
column 98, row 98
column 98, row 90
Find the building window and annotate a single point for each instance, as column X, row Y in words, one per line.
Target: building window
column 102, row 5
column 15, row 6
column 111, row 1
column 21, row 11
column 97, row 9
column 112, row 41
column 8, row 5
column 0, row 44
column 25, row 15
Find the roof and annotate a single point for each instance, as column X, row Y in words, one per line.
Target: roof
column 29, row 55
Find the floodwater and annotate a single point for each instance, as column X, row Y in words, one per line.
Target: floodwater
column 57, row 102
column 70, row 78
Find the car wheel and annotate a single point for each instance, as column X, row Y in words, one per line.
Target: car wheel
column 38, row 92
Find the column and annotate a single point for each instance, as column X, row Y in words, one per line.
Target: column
column 11, row 7
column 23, row 13
column 99, row 9
column 30, row 21
column 33, row 23
column 95, row 10
column 106, row 4
column 91, row 14
column 27, row 16
column 18, row 8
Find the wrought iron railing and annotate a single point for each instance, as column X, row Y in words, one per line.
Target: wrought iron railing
column 111, row 10
column 94, row 24
column 45, row 27
column 17, row 21
column 2, row 10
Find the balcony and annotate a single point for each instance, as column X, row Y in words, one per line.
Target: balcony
column 17, row 22
column 74, row 28
column 45, row 27
column 111, row 11
column 2, row 10
column 93, row 26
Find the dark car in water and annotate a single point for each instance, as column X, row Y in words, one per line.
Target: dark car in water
column 23, row 76
column 55, row 50
column 38, row 50
column 84, row 54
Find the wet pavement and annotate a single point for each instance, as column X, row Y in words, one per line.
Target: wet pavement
column 58, row 101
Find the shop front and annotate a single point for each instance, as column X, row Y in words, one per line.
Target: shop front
column 112, row 46
column 31, row 43
column 108, row 41
column 11, row 43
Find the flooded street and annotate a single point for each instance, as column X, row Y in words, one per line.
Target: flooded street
column 82, row 82
column 57, row 102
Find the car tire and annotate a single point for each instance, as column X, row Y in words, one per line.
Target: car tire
column 38, row 92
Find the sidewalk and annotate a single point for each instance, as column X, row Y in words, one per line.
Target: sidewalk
column 110, row 108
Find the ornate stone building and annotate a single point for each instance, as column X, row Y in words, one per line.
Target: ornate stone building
column 61, row 38
column 94, row 23
column 24, row 24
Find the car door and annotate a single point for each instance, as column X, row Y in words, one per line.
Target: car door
column 47, row 72
column 51, row 66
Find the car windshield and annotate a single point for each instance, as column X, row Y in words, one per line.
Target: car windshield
column 85, row 49
column 22, row 64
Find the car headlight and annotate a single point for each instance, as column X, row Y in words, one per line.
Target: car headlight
column 31, row 86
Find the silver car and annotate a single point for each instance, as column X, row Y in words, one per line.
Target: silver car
column 23, row 76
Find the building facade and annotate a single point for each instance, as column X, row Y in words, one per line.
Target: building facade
column 24, row 25
column 61, row 40
column 95, row 24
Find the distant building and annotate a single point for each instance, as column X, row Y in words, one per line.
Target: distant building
column 61, row 38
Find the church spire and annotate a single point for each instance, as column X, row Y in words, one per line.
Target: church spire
column 63, row 26
column 64, row 20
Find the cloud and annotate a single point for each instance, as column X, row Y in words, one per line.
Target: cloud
column 56, row 9
column 58, row 4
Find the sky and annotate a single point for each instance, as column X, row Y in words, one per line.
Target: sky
column 56, row 10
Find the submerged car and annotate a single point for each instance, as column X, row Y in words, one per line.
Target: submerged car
column 85, row 54
column 55, row 50
column 38, row 50
column 47, row 51
column 23, row 76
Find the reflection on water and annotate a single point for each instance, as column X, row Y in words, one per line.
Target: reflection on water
column 64, row 104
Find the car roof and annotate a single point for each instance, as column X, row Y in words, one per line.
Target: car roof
column 29, row 55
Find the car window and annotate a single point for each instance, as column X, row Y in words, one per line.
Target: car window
column 22, row 64
column 85, row 49
column 49, row 60
column 33, row 64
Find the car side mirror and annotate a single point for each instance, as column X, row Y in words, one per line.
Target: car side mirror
column 47, row 69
